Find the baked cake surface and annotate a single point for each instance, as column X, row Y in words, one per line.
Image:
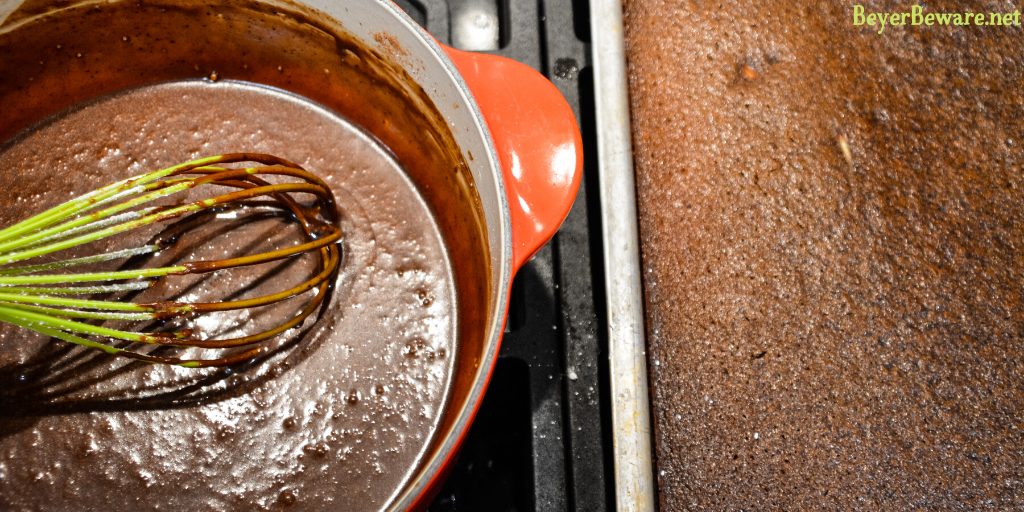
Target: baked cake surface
column 832, row 222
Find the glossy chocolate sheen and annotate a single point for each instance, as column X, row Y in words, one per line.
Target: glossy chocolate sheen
column 337, row 419
column 832, row 222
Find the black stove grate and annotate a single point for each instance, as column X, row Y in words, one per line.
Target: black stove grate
column 541, row 441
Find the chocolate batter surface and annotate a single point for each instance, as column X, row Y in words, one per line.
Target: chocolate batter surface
column 336, row 422
column 832, row 223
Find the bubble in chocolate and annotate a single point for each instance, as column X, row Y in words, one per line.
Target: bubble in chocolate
column 318, row 450
column 425, row 298
column 353, row 397
column 414, row 347
column 287, row 497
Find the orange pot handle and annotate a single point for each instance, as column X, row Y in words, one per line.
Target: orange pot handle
column 537, row 140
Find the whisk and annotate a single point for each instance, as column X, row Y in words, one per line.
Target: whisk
column 67, row 299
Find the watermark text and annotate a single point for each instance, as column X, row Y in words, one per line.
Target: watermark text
column 917, row 17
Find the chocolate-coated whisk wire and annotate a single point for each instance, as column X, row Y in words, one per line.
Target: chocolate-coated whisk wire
column 51, row 298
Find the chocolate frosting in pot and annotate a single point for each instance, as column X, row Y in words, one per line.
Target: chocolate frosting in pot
column 337, row 421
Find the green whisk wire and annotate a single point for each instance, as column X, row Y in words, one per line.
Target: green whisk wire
column 47, row 296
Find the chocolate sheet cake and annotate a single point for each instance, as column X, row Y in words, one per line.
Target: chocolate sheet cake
column 831, row 223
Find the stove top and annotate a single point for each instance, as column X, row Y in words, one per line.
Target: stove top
column 541, row 440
